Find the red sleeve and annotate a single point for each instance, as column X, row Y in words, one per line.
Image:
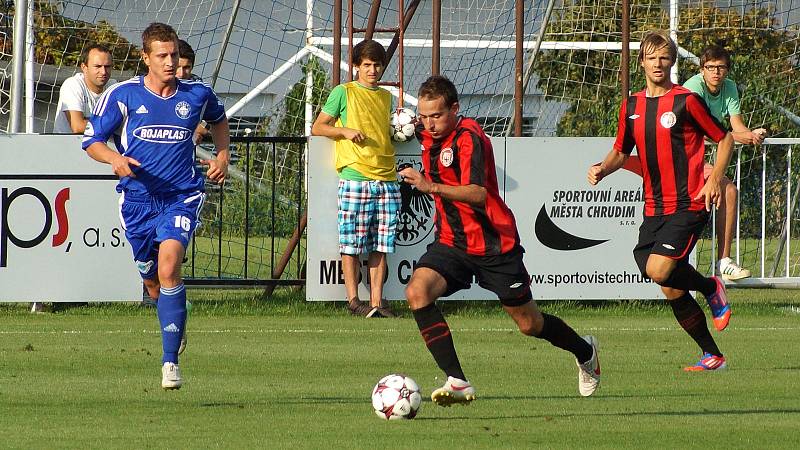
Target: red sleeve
column 470, row 157
column 624, row 143
column 702, row 117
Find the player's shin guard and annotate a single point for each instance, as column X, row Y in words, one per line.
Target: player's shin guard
column 692, row 319
column 561, row 335
column 172, row 317
column 436, row 333
column 687, row 278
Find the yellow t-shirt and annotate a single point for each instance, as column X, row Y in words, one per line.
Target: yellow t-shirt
column 368, row 111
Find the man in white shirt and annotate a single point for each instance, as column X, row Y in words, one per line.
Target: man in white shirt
column 77, row 98
column 80, row 92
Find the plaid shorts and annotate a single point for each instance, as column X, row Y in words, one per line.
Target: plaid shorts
column 368, row 214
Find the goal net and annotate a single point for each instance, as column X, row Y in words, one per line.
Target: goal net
column 265, row 58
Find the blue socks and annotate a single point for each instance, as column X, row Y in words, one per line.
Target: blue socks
column 172, row 317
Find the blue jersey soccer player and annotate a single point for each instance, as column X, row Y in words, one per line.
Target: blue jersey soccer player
column 152, row 119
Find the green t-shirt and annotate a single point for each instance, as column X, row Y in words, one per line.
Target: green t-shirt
column 722, row 105
column 336, row 106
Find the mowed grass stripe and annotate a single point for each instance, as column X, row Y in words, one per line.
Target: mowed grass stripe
column 369, row 331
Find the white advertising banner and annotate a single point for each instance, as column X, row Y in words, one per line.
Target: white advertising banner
column 578, row 238
column 60, row 236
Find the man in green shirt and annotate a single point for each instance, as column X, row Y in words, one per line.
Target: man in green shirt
column 722, row 98
column 356, row 116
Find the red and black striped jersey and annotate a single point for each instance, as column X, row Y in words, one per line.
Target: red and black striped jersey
column 667, row 132
column 462, row 158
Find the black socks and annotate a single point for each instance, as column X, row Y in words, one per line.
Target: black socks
column 436, row 333
column 558, row 333
column 692, row 319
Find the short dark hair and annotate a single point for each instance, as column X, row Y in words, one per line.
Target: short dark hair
column 157, row 31
column 88, row 49
column 656, row 40
column 713, row 53
column 439, row 86
column 369, row 49
column 185, row 51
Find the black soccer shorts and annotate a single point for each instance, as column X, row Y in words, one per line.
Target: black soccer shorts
column 673, row 236
column 504, row 274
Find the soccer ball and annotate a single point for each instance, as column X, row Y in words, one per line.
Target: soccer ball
column 396, row 397
column 402, row 124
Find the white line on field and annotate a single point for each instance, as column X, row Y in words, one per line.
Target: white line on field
column 358, row 331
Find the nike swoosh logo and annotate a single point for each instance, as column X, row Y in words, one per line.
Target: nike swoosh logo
column 551, row 236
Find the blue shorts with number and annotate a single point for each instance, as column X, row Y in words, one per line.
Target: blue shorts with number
column 149, row 220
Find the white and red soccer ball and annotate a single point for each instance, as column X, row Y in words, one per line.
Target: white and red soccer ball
column 401, row 125
column 396, row 397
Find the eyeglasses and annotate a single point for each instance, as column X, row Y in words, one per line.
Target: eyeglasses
column 721, row 68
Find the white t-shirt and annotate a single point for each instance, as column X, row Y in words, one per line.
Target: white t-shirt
column 75, row 96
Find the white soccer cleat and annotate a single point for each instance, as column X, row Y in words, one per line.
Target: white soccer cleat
column 731, row 271
column 454, row 391
column 589, row 372
column 171, row 376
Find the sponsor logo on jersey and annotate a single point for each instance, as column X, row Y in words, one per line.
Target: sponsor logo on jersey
column 634, row 116
column 182, row 109
column 163, row 134
column 142, row 110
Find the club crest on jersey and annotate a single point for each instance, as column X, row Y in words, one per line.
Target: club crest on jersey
column 163, row 134
column 668, row 119
column 446, row 157
column 182, row 109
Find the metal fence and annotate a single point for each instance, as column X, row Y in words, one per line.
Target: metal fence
column 253, row 227
column 765, row 237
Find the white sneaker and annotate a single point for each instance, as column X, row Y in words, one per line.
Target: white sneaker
column 171, row 376
column 730, row 270
column 454, row 391
column 589, row 372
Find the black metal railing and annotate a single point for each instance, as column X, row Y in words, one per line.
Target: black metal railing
column 257, row 217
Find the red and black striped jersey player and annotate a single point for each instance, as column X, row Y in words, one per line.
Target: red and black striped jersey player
column 667, row 124
column 476, row 236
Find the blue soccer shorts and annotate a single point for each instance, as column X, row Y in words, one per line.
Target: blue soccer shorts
column 149, row 220
column 367, row 216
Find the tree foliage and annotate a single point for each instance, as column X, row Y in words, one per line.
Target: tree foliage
column 765, row 61
column 59, row 39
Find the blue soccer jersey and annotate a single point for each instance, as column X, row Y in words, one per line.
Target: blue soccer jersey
column 156, row 131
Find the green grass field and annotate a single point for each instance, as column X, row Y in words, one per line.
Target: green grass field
column 282, row 373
